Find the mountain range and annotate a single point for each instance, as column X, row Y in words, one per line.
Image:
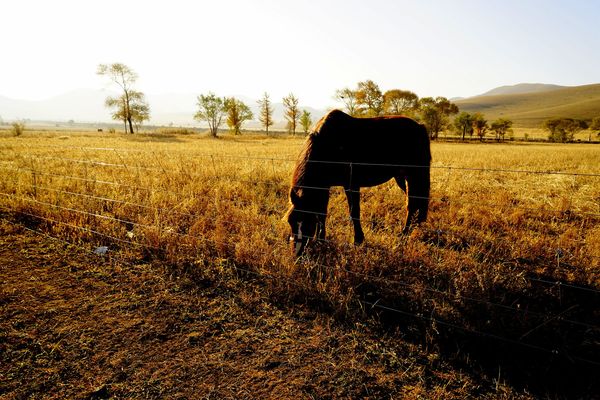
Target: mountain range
column 87, row 106
column 527, row 104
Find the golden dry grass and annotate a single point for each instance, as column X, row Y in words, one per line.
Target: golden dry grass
column 506, row 222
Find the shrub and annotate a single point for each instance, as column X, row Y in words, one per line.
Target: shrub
column 18, row 128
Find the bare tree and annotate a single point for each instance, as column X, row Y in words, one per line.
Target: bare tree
column 348, row 97
column 292, row 113
column 265, row 112
column 124, row 77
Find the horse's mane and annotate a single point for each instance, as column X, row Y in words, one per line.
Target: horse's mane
column 307, row 151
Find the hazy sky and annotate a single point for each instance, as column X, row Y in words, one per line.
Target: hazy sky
column 311, row 48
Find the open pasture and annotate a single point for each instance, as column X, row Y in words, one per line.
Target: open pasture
column 510, row 254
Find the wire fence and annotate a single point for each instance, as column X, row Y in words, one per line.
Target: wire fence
column 77, row 204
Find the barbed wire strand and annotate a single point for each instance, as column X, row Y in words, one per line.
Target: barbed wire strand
column 453, row 296
column 390, row 165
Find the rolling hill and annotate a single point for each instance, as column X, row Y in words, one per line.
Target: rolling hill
column 528, row 105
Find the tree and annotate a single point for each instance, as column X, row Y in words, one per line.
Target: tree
column 124, row 77
column 305, row 121
column 435, row 113
column 291, row 113
column 400, row 102
column 348, row 97
column 594, row 127
column 563, row 129
column 265, row 112
column 210, row 109
column 464, row 124
column 139, row 110
column 369, row 96
column 501, row 127
column 237, row 112
column 480, row 125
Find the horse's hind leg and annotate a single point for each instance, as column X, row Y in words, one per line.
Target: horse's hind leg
column 401, row 181
column 416, row 186
column 353, row 196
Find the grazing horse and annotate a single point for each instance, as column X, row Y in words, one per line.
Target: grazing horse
column 354, row 153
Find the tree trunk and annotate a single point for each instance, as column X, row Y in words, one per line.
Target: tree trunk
column 130, row 125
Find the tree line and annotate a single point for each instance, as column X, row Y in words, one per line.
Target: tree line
column 365, row 100
column 368, row 100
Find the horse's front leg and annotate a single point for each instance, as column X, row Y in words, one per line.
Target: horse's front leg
column 353, row 196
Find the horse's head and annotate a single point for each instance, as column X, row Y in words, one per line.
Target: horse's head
column 303, row 224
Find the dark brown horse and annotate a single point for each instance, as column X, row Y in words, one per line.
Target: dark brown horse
column 354, row 153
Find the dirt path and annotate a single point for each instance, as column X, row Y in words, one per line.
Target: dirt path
column 74, row 325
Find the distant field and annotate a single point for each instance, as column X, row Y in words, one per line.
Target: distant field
column 532, row 109
column 512, row 241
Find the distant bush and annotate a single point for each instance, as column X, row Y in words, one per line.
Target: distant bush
column 18, row 128
column 563, row 130
column 176, row 131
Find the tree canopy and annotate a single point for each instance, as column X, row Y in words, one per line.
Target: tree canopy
column 237, row 113
column 210, row 109
column 563, row 129
column 434, row 113
column 400, row 102
column 464, row 124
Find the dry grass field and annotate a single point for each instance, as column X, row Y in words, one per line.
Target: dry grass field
column 503, row 278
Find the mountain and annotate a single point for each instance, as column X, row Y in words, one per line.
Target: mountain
column 522, row 88
column 87, row 105
column 537, row 104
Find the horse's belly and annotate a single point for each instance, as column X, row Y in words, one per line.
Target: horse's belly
column 373, row 175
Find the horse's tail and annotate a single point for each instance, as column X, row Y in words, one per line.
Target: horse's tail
column 419, row 183
column 425, row 135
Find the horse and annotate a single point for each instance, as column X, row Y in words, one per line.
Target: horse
column 356, row 153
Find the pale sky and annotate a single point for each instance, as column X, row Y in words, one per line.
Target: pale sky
column 309, row 48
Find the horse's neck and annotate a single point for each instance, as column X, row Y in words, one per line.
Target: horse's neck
column 315, row 199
